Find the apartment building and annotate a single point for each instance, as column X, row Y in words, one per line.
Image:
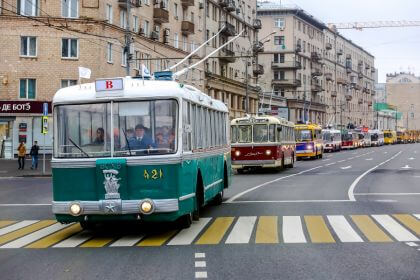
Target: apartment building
column 403, row 92
column 43, row 44
column 326, row 78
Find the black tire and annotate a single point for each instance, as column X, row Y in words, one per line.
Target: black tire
column 199, row 199
column 86, row 225
column 240, row 170
column 185, row 221
column 291, row 164
column 218, row 199
column 322, row 153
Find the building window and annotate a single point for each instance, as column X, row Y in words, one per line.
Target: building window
column 207, row 8
column 29, row 7
column 200, row 23
column 70, row 8
column 278, row 75
column 176, row 11
column 207, row 36
column 146, row 27
column 69, row 48
column 184, row 43
column 192, row 46
column 279, row 40
column 146, row 2
column 27, row 88
column 279, row 22
column 68, row 83
column 108, row 13
column 123, row 19
column 123, row 57
column 28, row 46
column 137, row 57
column 109, row 53
column 282, row 92
column 176, row 44
column 136, row 24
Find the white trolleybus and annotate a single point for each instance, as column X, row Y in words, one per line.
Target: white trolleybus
column 262, row 142
column 332, row 140
column 127, row 149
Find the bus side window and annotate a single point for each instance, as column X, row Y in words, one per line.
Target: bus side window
column 272, row 133
column 186, row 135
column 199, row 128
column 194, row 127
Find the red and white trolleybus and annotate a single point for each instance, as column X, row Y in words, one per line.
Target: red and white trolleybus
column 263, row 141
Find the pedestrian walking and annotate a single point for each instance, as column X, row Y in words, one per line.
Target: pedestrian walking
column 21, row 155
column 34, row 154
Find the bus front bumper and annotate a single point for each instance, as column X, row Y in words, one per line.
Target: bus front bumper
column 115, row 206
column 238, row 164
column 305, row 153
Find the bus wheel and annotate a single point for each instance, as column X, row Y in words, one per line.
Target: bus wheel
column 185, row 221
column 240, row 170
column 87, row 225
column 199, row 199
column 321, row 154
column 218, row 199
column 291, row 163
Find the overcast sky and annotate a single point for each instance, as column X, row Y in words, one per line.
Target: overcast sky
column 395, row 49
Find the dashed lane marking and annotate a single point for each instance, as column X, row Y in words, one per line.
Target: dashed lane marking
column 345, row 167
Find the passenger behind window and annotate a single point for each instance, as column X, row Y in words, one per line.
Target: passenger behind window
column 100, row 133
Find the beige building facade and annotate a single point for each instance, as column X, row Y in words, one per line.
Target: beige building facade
column 325, row 78
column 43, row 44
column 403, row 92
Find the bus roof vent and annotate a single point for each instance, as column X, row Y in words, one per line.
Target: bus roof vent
column 164, row 76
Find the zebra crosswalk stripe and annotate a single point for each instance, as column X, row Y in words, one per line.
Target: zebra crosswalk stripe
column 187, row 236
column 216, row 231
column 395, row 229
column 318, row 230
column 417, row 216
column 409, row 222
column 343, row 229
column 25, row 231
column 242, row 230
column 6, row 223
column 127, row 241
column 75, row 240
column 267, row 230
column 372, row 232
column 27, row 239
column 17, row 226
column 56, row 237
column 292, row 230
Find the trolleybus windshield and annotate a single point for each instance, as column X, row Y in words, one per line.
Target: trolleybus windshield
column 347, row 137
column 260, row 133
column 244, row 133
column 138, row 128
column 303, row 135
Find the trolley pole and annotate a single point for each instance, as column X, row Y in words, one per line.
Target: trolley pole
column 128, row 38
column 246, row 87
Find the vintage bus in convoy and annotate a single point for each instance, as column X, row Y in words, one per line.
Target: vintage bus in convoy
column 390, row 137
column 309, row 143
column 376, row 137
column 262, row 142
column 350, row 139
column 127, row 149
column 332, row 140
column 402, row 137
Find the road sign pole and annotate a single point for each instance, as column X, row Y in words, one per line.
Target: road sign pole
column 43, row 161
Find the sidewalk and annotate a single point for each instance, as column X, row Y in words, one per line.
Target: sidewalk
column 9, row 168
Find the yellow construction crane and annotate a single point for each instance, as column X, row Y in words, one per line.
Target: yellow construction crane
column 373, row 24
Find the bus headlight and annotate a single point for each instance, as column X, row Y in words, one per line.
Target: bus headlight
column 146, row 206
column 75, row 209
column 309, row 147
column 268, row 152
column 237, row 153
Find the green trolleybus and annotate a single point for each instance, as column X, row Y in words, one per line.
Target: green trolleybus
column 127, row 149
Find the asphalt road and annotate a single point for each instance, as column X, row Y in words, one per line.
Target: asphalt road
column 352, row 215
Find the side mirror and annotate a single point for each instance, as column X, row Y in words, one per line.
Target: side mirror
column 279, row 128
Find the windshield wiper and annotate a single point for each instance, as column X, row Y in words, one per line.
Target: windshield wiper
column 126, row 140
column 77, row 146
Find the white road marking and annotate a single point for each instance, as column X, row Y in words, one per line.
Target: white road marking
column 351, row 158
column 343, row 229
column 353, row 185
column 343, row 160
column 394, row 228
column 269, row 182
column 330, row 163
column 187, row 236
column 387, row 194
column 326, row 159
column 24, row 204
column 346, row 167
column 369, row 159
column 127, row 241
column 17, row 226
column 385, row 200
column 27, row 239
column 75, row 240
column 406, row 167
column 199, row 255
column 200, row 264
column 241, row 232
column 411, row 158
column 385, row 152
column 412, row 244
column 292, row 230
column 201, row 274
column 290, row 201
column 417, row 216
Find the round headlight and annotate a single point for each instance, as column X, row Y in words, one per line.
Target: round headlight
column 146, row 207
column 268, row 152
column 75, row 209
column 237, row 153
column 309, row 147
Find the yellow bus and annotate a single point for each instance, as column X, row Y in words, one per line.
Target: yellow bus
column 309, row 143
column 390, row 137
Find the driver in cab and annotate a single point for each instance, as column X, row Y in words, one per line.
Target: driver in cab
column 141, row 141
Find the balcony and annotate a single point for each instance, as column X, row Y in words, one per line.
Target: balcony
column 223, row 3
column 367, row 66
column 315, row 56
column 160, row 15
column 360, row 75
column 316, row 87
column 316, row 72
column 286, row 65
column 348, row 97
column 227, row 55
column 186, row 3
column 258, row 69
column 257, row 47
column 339, row 52
column 133, row 3
column 348, row 69
column 360, row 101
column 228, row 30
column 342, row 81
column 187, row 27
column 298, row 48
column 287, row 83
column 328, row 46
column 348, row 57
column 333, row 93
column 328, row 76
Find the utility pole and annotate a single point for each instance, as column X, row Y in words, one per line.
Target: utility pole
column 246, row 87
column 128, row 38
column 335, row 77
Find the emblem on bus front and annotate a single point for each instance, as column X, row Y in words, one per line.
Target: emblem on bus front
column 111, row 184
